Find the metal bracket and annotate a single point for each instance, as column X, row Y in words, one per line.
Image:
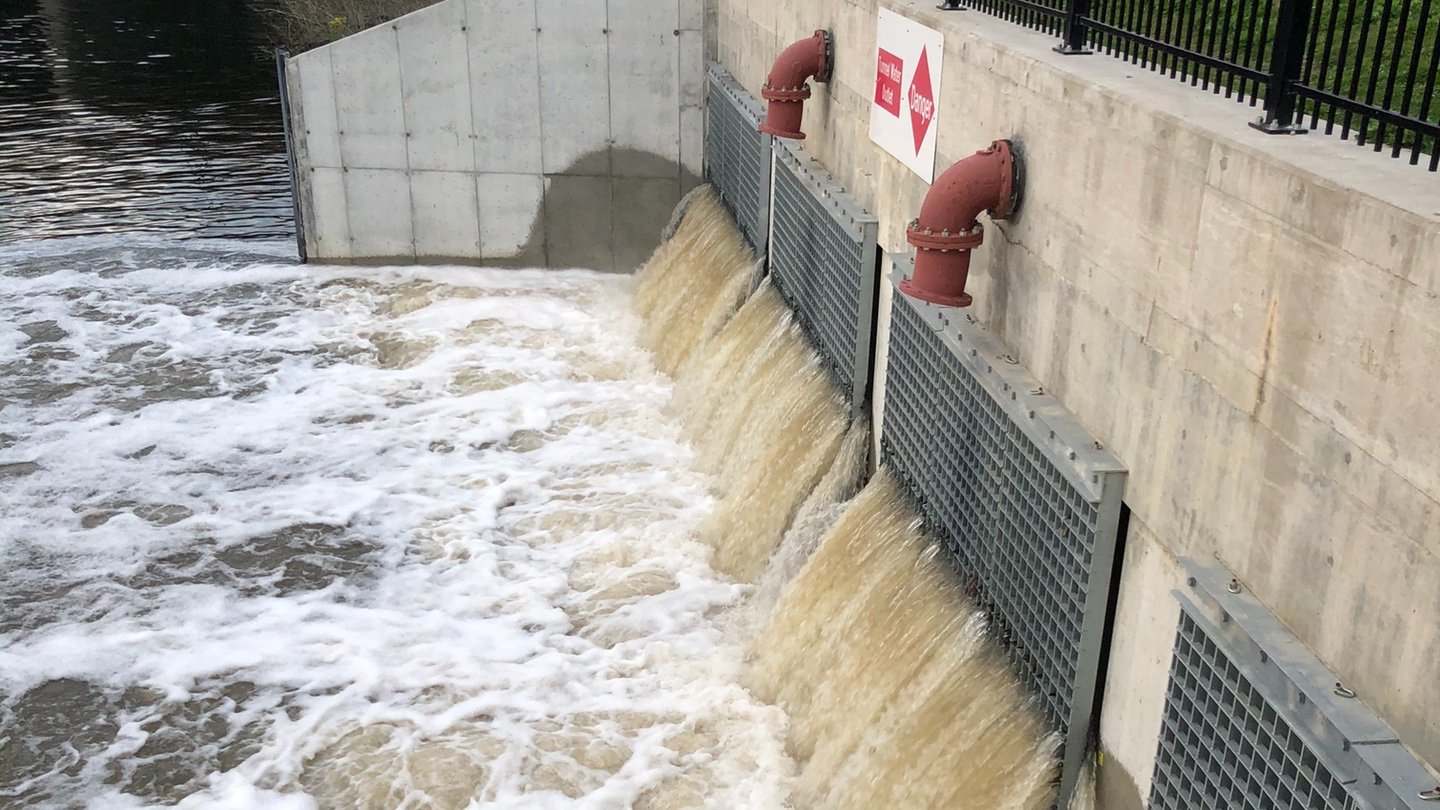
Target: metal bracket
column 1276, row 128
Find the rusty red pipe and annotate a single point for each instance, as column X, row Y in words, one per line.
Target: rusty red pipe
column 948, row 227
column 785, row 89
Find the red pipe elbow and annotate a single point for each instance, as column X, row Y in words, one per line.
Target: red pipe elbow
column 948, row 229
column 785, row 89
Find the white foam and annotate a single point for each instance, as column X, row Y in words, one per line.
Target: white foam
column 303, row 536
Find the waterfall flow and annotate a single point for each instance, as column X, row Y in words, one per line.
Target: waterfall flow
column 450, row 538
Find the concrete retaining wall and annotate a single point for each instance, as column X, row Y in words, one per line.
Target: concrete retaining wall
column 534, row 132
column 1249, row 322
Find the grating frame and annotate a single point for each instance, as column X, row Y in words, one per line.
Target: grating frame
column 737, row 155
column 1254, row 721
column 823, row 263
column 1024, row 499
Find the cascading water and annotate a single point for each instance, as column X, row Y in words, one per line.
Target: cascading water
column 300, row 537
column 896, row 696
column 761, row 413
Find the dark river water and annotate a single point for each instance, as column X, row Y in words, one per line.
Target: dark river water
column 282, row 536
column 139, row 116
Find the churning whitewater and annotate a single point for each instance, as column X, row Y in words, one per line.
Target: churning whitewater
column 281, row 536
column 306, row 537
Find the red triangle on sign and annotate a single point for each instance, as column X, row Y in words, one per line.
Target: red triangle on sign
column 921, row 99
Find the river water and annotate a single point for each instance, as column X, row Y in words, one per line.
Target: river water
column 291, row 536
column 139, row 116
column 276, row 535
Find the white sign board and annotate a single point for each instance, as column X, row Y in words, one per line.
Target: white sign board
column 906, row 101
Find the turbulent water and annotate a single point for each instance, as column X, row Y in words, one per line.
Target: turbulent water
column 896, row 696
column 282, row 536
column 399, row 539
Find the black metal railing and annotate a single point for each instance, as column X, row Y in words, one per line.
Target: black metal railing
column 1367, row 70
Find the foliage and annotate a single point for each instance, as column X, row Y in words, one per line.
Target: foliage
column 303, row 24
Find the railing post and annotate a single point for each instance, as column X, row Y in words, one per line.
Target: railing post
column 1287, row 54
column 1074, row 42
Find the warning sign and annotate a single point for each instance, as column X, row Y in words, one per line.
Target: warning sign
column 907, row 74
column 888, row 74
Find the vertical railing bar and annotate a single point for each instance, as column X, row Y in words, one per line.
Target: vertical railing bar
column 1402, row 25
column 1234, row 83
column 1245, row 59
column 1215, row 43
column 1191, row 67
column 1149, row 29
column 1170, row 21
column 1357, row 69
column 1340, row 72
column 1270, row 26
column 1312, row 38
column 1375, row 70
column 1323, row 78
column 1092, row 38
column 1137, row 22
column 1410, row 77
column 1425, row 98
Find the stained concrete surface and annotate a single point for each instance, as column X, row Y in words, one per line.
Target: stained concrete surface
column 525, row 132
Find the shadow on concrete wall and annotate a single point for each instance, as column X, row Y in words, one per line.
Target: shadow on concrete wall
column 606, row 211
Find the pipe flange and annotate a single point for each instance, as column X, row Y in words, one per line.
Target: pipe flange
column 1017, row 178
column 1012, row 179
column 785, row 93
column 827, row 56
column 964, row 240
column 909, row 287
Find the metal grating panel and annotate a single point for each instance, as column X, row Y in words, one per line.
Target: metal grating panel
column 737, row 155
column 822, row 261
column 1024, row 499
column 1253, row 721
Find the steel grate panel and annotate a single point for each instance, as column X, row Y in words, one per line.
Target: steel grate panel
column 1025, row 501
column 822, row 261
column 1225, row 747
column 737, row 155
column 1253, row 721
column 1008, row 516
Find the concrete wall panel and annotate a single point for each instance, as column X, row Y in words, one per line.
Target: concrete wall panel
column 378, row 203
column 504, row 86
column 368, row 108
column 434, row 71
column 645, row 85
column 317, row 90
column 577, row 222
column 328, row 234
column 512, row 225
column 692, row 146
column 509, row 94
column 574, row 86
column 445, row 214
column 639, row 203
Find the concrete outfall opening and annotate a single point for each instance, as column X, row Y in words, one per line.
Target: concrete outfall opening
column 785, row 88
column 948, row 227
